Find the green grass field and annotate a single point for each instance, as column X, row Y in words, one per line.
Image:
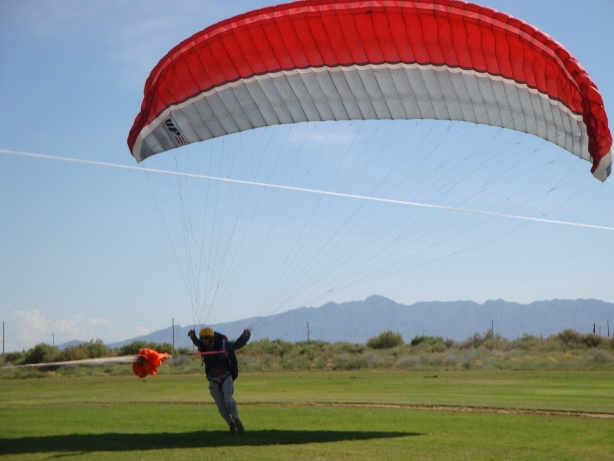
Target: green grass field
column 444, row 415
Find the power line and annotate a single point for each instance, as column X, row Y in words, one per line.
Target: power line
column 308, row 190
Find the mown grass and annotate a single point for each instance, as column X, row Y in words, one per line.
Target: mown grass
column 477, row 415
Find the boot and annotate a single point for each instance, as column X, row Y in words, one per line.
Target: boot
column 239, row 426
column 233, row 428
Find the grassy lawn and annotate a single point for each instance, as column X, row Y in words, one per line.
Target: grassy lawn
column 474, row 415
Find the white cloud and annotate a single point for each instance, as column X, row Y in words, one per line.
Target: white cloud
column 25, row 329
column 27, row 325
column 100, row 322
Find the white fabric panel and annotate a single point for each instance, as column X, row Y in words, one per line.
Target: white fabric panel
column 332, row 96
column 236, row 120
column 368, row 92
column 424, row 105
column 359, row 93
column 406, row 94
column 462, row 83
column 190, row 115
column 375, row 95
column 391, row 97
column 495, row 101
column 263, row 95
column 218, row 124
column 341, row 79
column 269, row 99
column 283, row 101
column 316, row 93
column 450, row 97
column 514, row 103
column 523, row 120
column 300, row 106
column 151, row 145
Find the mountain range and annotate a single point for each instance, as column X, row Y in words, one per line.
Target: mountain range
column 357, row 321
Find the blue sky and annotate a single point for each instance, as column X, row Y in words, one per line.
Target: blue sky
column 85, row 250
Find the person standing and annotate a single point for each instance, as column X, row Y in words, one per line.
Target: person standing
column 220, row 367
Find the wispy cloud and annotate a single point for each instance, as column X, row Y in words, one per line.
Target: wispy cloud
column 26, row 328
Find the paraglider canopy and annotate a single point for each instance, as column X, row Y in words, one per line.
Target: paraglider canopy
column 320, row 60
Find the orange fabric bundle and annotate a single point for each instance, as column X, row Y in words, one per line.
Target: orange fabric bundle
column 147, row 362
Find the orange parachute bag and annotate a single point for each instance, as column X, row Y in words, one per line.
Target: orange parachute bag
column 147, row 362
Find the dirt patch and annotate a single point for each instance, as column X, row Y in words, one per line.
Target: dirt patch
column 452, row 408
column 478, row 409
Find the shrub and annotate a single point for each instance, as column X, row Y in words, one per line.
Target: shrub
column 41, row 353
column 407, row 362
column 133, row 348
column 450, row 360
column 474, row 341
column 572, row 338
column 348, row 362
column 70, row 353
column 95, row 349
column 601, row 356
column 386, row 340
column 14, row 357
column 569, row 337
column 277, row 347
column 525, row 342
column 432, row 343
column 591, row 340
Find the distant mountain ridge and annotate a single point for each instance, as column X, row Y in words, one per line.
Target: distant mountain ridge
column 357, row 321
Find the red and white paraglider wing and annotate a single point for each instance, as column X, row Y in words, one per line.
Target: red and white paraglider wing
column 320, row 60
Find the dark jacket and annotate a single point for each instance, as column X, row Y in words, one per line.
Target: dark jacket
column 217, row 357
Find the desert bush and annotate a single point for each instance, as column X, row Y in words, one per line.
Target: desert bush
column 473, row 341
column 133, row 347
column 374, row 360
column 572, row 339
column 525, row 342
column 385, row 340
column 41, row 353
column 93, row 349
column 14, row 357
column 568, row 336
column 600, row 356
column 408, row 361
column 73, row 353
column 591, row 340
column 352, row 363
column 451, row 360
column 277, row 347
column 431, row 343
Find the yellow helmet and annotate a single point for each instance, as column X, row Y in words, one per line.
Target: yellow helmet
column 206, row 332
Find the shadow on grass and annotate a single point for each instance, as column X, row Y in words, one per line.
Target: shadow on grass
column 84, row 443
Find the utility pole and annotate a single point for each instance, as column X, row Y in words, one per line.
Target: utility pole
column 173, row 320
column 3, row 334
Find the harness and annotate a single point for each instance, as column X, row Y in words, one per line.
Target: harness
column 218, row 359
